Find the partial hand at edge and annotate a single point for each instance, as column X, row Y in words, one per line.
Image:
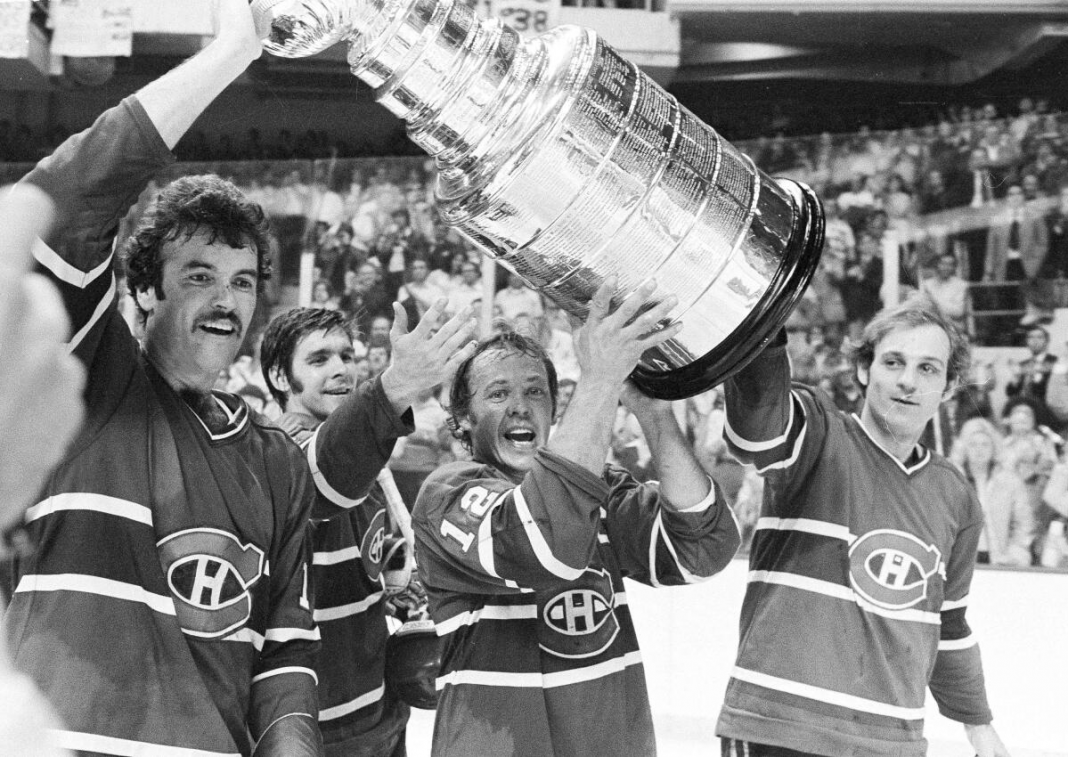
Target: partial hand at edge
column 985, row 741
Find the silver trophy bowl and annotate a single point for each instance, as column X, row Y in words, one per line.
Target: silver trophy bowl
column 567, row 164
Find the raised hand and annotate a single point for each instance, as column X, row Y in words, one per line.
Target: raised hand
column 40, row 381
column 427, row 355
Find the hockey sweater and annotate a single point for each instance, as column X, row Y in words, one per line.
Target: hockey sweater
column 525, row 583
column 165, row 610
column 858, row 580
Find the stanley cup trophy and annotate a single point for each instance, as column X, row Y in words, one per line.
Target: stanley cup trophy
column 567, row 164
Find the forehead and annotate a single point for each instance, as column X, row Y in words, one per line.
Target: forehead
column 197, row 247
column 333, row 340
column 505, row 366
column 916, row 341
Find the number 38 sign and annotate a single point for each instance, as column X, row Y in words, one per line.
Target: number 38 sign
column 528, row 17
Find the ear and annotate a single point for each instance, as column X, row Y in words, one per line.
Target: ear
column 863, row 375
column 146, row 300
column 278, row 378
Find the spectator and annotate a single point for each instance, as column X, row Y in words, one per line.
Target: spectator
column 1008, row 521
column 377, row 359
column 323, row 296
column 1032, row 455
column 466, row 288
column 948, row 291
column 1053, row 552
column 1031, row 376
column 1017, row 241
column 1055, row 265
column 366, row 298
column 518, row 298
column 420, row 453
column 418, row 290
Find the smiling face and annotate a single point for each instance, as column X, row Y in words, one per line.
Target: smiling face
column 194, row 327
column 511, row 410
column 905, row 383
column 323, row 371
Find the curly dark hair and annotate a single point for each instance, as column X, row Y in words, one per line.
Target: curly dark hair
column 184, row 207
column 284, row 333
column 461, row 392
column 909, row 315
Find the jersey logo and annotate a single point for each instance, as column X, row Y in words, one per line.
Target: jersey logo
column 891, row 569
column 210, row 573
column 580, row 620
column 373, row 545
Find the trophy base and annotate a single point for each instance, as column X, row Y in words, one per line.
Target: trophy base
column 746, row 342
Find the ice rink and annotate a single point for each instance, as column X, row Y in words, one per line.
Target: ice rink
column 688, row 636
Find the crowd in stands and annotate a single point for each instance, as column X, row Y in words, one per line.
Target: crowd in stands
column 974, row 208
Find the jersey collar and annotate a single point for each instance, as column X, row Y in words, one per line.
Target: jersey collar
column 920, row 454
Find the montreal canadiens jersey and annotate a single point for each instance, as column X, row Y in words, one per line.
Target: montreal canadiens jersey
column 165, row 609
column 525, row 583
column 346, row 452
column 858, row 581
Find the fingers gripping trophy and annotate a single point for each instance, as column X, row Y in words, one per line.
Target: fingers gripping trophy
column 568, row 164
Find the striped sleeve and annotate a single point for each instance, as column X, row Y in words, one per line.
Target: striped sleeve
column 349, row 448
column 478, row 532
column 957, row 681
column 95, row 177
column 284, row 681
column 662, row 547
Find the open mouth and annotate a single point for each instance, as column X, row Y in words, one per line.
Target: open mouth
column 521, row 437
column 219, row 328
column 339, row 391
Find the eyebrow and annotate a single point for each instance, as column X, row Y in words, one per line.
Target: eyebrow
column 928, row 358
column 192, row 264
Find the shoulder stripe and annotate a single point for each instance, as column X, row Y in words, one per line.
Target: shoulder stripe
column 336, row 557
column 808, row 525
column 539, row 545
column 828, row 589
column 98, row 313
column 282, row 635
column 954, row 604
column 539, row 680
column 346, row 708
column 100, row 503
column 93, row 742
column 487, row 612
column 326, row 614
column 828, row 696
column 955, row 645
column 63, row 270
column 284, row 671
column 104, row 587
column 485, row 538
column 762, row 446
column 321, row 483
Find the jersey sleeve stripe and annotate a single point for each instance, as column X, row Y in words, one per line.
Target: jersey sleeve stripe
column 487, row 612
column 63, row 270
column 537, row 542
column 659, row 533
column 98, row 313
column 954, row 604
column 247, row 636
column 828, row 589
column 100, row 503
column 326, row 614
column 336, row 557
column 704, row 504
column 97, row 744
column 829, row 696
column 285, row 671
column 954, row 645
column 799, row 443
column 104, row 587
column 347, row 708
column 808, row 525
column 321, row 483
column 760, row 446
column 282, row 635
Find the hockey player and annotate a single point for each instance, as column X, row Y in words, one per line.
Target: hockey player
column 164, row 610
column 523, row 550
column 862, row 559
column 348, row 433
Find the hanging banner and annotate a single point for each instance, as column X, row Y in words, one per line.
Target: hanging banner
column 14, row 28
column 92, row 28
column 528, row 17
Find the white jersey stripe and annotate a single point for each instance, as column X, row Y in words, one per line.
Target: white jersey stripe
column 326, row 614
column 767, row 444
column 92, row 742
column 282, row 635
column 539, row 680
column 828, row 696
column 321, row 483
column 828, row 589
column 488, row 612
column 63, row 270
column 104, row 587
column 336, row 557
column 100, row 503
column 798, row 444
column 345, row 708
column 541, row 547
column 808, row 525
column 283, row 671
column 98, row 313
column 485, row 539
column 955, row 645
column 659, row 532
column 954, row 604
column 247, row 636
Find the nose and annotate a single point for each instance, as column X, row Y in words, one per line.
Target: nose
column 906, row 380
column 224, row 297
column 519, row 406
